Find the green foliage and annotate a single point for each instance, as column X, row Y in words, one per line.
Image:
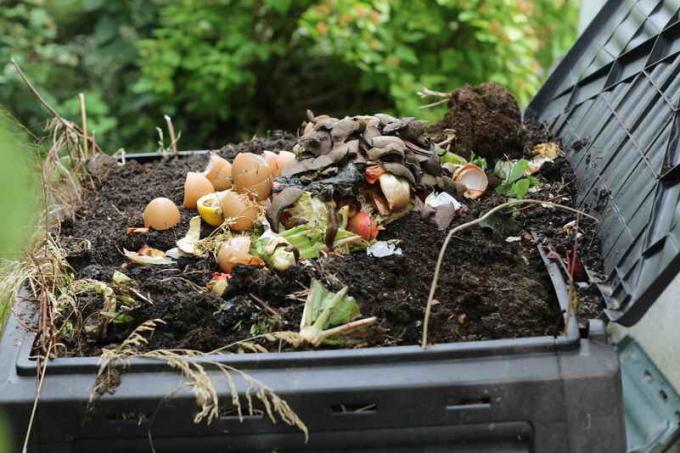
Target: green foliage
column 478, row 161
column 516, row 183
column 224, row 70
column 18, row 195
column 327, row 309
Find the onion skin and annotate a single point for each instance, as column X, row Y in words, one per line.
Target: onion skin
column 363, row 225
column 397, row 191
column 161, row 214
column 236, row 251
column 218, row 172
column 251, row 175
column 241, row 211
column 195, row 186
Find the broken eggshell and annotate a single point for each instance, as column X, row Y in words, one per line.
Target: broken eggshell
column 241, row 211
column 236, row 251
column 473, row 178
column 218, row 172
column 285, row 159
column 195, row 186
column 273, row 162
column 251, row 174
column 161, row 214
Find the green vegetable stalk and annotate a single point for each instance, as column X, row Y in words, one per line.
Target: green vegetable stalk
column 328, row 314
column 306, row 238
column 275, row 250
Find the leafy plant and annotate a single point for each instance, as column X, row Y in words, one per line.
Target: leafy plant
column 478, row 161
column 517, row 182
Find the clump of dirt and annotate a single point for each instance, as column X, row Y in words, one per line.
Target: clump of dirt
column 485, row 119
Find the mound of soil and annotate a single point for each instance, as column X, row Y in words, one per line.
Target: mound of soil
column 485, row 119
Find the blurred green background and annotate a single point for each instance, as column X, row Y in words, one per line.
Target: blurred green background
column 225, row 70
column 18, row 204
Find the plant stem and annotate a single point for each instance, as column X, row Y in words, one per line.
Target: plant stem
column 67, row 124
column 83, row 118
column 34, row 409
column 312, row 300
column 344, row 328
column 464, row 226
column 171, row 132
column 326, row 313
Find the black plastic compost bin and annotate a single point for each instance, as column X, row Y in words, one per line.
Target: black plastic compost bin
column 614, row 102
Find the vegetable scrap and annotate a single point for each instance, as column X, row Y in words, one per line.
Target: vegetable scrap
column 327, row 316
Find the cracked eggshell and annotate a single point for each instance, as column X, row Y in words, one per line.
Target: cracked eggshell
column 251, row 175
column 195, row 186
column 218, row 172
column 239, row 209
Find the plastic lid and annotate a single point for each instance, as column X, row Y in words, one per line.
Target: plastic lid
column 613, row 101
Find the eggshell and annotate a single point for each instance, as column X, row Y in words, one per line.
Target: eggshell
column 161, row 214
column 239, row 209
column 218, row 172
column 251, row 175
column 195, row 186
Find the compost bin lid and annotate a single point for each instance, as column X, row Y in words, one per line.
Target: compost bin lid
column 613, row 101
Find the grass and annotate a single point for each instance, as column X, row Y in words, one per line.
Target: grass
column 197, row 377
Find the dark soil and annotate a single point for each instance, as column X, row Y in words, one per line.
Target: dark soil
column 485, row 119
column 488, row 289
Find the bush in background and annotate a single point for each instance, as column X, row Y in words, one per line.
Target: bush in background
column 225, row 70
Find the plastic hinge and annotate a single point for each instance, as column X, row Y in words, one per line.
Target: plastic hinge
column 651, row 405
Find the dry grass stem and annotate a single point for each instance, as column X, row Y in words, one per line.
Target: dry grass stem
column 83, row 119
column 171, row 134
column 197, row 377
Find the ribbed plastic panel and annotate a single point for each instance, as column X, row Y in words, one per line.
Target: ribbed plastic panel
column 614, row 102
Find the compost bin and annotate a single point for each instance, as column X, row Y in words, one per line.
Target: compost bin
column 613, row 102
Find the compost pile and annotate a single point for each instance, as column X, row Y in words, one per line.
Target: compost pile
column 329, row 238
